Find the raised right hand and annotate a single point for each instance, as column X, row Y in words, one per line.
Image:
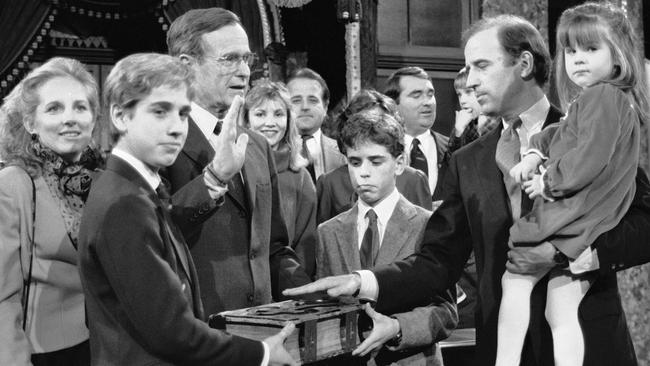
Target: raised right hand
column 335, row 286
column 278, row 354
column 229, row 149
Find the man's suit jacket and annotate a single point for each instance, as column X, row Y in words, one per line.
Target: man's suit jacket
column 338, row 253
column 141, row 288
column 336, row 194
column 332, row 157
column 241, row 251
column 628, row 245
column 475, row 215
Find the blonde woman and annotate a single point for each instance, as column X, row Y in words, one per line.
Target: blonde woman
column 267, row 111
column 46, row 127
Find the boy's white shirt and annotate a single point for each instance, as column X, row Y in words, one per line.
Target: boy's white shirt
column 151, row 177
column 384, row 210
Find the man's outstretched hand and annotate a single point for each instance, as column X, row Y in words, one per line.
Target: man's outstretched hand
column 334, row 286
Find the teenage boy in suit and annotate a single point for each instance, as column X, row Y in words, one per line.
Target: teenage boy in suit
column 142, row 297
column 380, row 228
column 334, row 189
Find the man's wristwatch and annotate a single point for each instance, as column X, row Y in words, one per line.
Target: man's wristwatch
column 395, row 341
column 560, row 259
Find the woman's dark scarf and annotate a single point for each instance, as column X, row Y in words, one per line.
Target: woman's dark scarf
column 69, row 183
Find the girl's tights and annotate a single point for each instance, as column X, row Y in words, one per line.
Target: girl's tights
column 562, row 300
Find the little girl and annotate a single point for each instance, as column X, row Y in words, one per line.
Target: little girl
column 587, row 180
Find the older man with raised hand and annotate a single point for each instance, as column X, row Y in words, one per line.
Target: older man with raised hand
column 508, row 67
column 241, row 251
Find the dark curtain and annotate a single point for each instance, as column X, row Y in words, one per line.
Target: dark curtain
column 247, row 10
column 314, row 28
column 19, row 22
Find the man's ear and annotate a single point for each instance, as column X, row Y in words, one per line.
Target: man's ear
column 401, row 163
column 187, row 59
column 118, row 118
column 527, row 63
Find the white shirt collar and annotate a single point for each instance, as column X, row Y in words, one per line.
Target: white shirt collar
column 151, row 177
column 317, row 137
column 204, row 119
column 534, row 115
column 384, row 209
column 426, row 139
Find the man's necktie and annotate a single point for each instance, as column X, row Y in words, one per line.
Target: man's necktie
column 370, row 242
column 238, row 190
column 305, row 153
column 418, row 160
column 217, row 127
column 507, row 155
column 163, row 192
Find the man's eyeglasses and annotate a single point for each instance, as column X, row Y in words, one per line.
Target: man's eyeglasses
column 232, row 60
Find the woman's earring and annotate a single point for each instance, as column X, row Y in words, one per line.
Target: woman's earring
column 34, row 137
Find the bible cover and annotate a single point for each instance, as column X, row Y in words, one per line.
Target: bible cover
column 324, row 329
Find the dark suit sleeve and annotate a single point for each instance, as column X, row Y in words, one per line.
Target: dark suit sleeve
column 420, row 189
column 444, row 154
column 156, row 314
column 446, row 246
column 628, row 244
column 305, row 227
column 324, row 199
column 192, row 205
column 286, row 271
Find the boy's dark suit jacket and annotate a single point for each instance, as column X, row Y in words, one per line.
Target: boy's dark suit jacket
column 475, row 215
column 241, row 251
column 142, row 294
